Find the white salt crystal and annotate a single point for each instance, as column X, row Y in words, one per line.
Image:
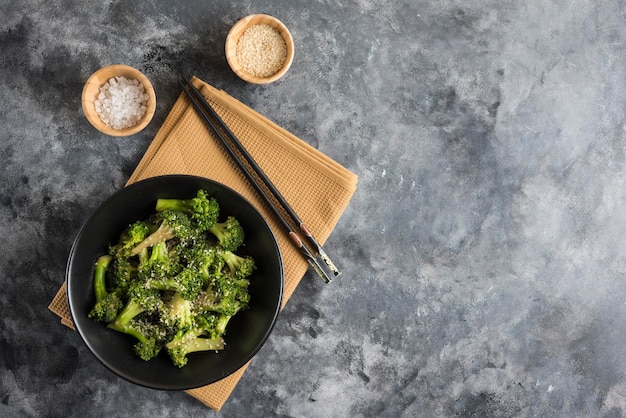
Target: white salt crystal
column 121, row 102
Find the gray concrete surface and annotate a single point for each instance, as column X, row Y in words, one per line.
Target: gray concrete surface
column 483, row 253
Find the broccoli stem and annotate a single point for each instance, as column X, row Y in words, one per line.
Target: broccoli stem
column 143, row 257
column 192, row 341
column 131, row 310
column 164, row 284
column 159, row 252
column 222, row 322
column 180, row 205
column 203, row 344
column 148, row 338
column 99, row 281
column 163, row 233
column 178, row 353
column 130, row 330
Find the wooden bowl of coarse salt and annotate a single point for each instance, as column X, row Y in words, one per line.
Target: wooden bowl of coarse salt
column 119, row 100
column 259, row 49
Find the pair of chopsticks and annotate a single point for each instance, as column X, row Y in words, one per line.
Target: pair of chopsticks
column 292, row 223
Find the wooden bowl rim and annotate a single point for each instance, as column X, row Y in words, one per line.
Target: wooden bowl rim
column 92, row 89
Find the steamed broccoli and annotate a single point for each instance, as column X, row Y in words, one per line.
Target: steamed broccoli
column 225, row 300
column 172, row 224
column 130, row 238
column 227, row 292
column 229, row 233
column 108, row 304
column 167, row 283
column 177, row 313
column 163, row 271
column 222, row 322
column 224, row 307
column 205, row 259
column 202, row 209
column 187, row 283
column 128, row 321
column 105, row 310
column 141, row 299
column 123, row 272
column 150, row 337
column 159, row 265
column 200, row 337
column 239, row 267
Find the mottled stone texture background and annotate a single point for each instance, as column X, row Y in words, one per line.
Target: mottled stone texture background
column 483, row 252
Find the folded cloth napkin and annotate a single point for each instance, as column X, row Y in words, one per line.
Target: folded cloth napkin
column 318, row 188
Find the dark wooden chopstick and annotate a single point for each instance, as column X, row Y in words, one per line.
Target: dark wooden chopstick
column 261, row 183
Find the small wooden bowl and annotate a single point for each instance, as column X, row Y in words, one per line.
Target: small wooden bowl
column 233, row 38
column 92, row 89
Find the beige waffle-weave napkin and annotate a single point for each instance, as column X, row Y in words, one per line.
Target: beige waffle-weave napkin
column 318, row 188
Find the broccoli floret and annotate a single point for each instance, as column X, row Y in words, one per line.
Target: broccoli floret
column 202, row 209
column 164, row 272
column 225, row 307
column 227, row 293
column 130, row 238
column 107, row 309
column 150, row 337
column 159, row 265
column 187, row 283
column 200, row 337
column 225, row 300
column 177, row 313
column 108, row 304
column 128, row 321
column 229, row 234
column 172, row 224
column 239, row 267
column 123, row 272
column 141, row 299
column 205, row 259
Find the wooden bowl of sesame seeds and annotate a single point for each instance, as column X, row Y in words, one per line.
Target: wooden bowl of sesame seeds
column 259, row 49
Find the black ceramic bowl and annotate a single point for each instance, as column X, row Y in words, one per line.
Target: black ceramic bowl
column 246, row 332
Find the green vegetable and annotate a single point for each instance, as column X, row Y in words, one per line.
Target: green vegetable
column 202, row 209
column 229, row 233
column 141, row 300
column 239, row 267
column 173, row 281
column 201, row 336
column 108, row 304
column 131, row 237
column 171, row 224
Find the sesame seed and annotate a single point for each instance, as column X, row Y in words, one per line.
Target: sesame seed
column 261, row 50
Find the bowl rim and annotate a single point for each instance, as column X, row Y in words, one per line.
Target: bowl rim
column 91, row 89
column 78, row 322
column 231, row 45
